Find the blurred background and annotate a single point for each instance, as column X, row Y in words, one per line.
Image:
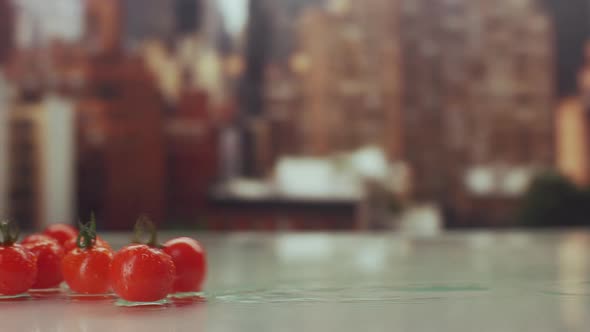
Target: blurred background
column 271, row 115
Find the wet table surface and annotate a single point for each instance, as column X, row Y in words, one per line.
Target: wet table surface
column 510, row 281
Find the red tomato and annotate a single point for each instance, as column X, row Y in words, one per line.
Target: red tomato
column 18, row 269
column 73, row 244
column 61, row 232
column 49, row 255
column 86, row 271
column 140, row 273
column 37, row 238
column 189, row 259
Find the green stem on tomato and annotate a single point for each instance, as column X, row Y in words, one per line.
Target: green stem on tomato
column 143, row 224
column 87, row 235
column 9, row 232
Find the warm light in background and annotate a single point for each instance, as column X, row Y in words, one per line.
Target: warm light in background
column 572, row 141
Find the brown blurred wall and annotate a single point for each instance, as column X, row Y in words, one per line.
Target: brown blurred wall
column 6, row 30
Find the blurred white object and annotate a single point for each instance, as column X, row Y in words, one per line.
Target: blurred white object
column 59, row 154
column 501, row 180
column 480, row 180
column 339, row 177
column 422, row 220
column 370, row 162
column 44, row 21
column 234, row 13
column 319, row 178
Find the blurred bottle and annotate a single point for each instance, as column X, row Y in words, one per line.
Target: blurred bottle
column 572, row 138
column 230, row 154
column 41, row 160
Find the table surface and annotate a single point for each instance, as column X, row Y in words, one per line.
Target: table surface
column 509, row 281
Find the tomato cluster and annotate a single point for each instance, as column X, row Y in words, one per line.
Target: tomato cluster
column 88, row 265
column 149, row 272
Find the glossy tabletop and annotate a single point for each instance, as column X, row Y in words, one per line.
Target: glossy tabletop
column 509, row 281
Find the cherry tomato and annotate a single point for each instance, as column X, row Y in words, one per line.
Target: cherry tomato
column 18, row 269
column 37, row 238
column 140, row 273
column 86, row 265
column 18, row 265
column 72, row 244
column 86, row 271
column 190, row 262
column 61, row 232
column 49, row 255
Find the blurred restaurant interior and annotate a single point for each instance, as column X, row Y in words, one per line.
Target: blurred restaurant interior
column 303, row 115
